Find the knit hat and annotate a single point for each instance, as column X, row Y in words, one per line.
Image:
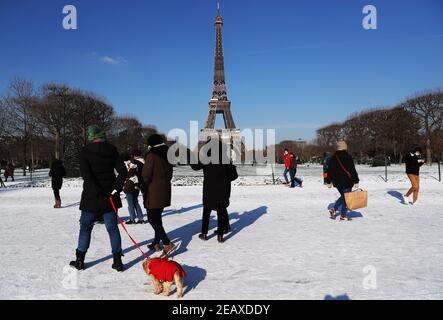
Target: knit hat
column 136, row 153
column 95, row 133
column 155, row 140
column 418, row 149
column 341, row 145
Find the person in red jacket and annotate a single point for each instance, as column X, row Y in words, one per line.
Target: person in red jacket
column 287, row 162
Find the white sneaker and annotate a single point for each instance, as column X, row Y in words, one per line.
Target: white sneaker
column 405, row 200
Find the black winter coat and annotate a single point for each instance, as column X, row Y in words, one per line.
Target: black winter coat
column 98, row 160
column 216, row 184
column 57, row 172
column 412, row 164
column 337, row 176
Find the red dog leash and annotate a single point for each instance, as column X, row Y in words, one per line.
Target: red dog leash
column 124, row 227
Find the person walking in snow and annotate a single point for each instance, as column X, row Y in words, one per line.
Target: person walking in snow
column 343, row 176
column 413, row 162
column 293, row 171
column 57, row 173
column 9, row 172
column 287, row 163
column 98, row 162
column 217, row 177
column 157, row 176
column 132, row 190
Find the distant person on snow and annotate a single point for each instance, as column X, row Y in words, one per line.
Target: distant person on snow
column 57, row 173
column 287, row 163
column 98, row 160
column 2, row 184
column 157, row 176
column 217, row 178
column 9, row 172
column 293, row 171
column 343, row 176
column 413, row 161
column 132, row 191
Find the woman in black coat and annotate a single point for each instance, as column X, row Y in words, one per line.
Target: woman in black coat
column 98, row 162
column 57, row 172
column 343, row 176
column 218, row 175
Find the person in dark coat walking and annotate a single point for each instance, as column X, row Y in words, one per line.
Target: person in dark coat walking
column 157, row 176
column 343, row 176
column 218, row 175
column 9, row 172
column 57, row 173
column 293, row 171
column 98, row 160
column 413, row 161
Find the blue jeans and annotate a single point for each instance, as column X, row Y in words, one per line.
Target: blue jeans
column 341, row 201
column 134, row 206
column 294, row 179
column 285, row 174
column 87, row 220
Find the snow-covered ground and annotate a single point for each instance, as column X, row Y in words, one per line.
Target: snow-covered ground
column 282, row 245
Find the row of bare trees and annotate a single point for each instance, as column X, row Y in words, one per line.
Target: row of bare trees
column 38, row 125
column 391, row 131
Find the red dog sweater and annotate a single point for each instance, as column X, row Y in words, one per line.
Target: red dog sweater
column 164, row 270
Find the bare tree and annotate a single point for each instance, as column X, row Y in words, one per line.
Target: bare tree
column 55, row 113
column 427, row 108
column 19, row 102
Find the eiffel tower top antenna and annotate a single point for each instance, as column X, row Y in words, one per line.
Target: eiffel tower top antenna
column 218, row 7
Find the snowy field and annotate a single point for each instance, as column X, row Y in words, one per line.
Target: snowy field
column 282, row 245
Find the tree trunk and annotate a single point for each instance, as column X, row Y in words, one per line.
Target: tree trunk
column 25, row 160
column 428, row 151
column 57, row 146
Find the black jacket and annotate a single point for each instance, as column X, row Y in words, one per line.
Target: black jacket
column 412, row 164
column 97, row 164
column 57, row 172
column 217, row 177
column 337, row 176
column 216, row 184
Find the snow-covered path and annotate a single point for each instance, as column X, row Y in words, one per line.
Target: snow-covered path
column 283, row 245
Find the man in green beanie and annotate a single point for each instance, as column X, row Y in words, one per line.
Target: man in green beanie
column 98, row 161
column 95, row 133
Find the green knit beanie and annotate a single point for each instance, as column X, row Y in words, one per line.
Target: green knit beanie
column 95, row 133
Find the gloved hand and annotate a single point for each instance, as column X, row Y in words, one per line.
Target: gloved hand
column 116, row 199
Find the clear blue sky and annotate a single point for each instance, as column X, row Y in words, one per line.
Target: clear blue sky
column 293, row 65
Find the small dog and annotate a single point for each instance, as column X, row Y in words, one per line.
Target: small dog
column 163, row 272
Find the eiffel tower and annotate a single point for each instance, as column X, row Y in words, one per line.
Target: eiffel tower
column 219, row 103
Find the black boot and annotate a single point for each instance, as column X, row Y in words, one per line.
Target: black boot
column 118, row 264
column 79, row 262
